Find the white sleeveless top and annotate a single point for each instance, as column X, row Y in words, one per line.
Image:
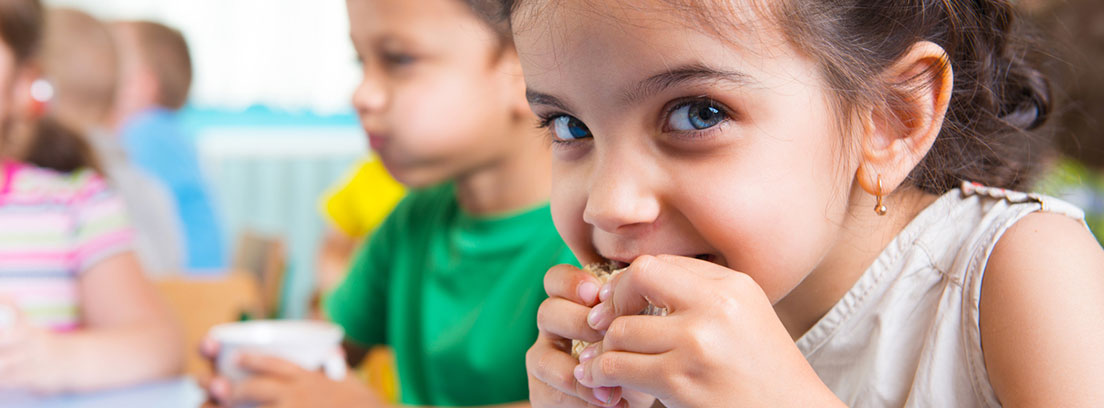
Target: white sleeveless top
column 906, row 335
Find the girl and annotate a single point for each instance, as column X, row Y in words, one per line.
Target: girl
column 76, row 313
column 786, row 178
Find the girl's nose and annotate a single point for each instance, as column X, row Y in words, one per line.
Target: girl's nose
column 620, row 198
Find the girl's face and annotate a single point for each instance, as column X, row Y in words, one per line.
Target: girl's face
column 670, row 140
column 15, row 80
column 435, row 100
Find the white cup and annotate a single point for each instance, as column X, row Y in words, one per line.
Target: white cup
column 312, row 345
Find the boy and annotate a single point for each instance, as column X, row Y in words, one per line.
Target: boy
column 155, row 75
column 453, row 278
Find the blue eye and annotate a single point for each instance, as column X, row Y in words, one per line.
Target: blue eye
column 696, row 115
column 568, row 128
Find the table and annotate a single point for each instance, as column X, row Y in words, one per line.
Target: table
column 182, row 392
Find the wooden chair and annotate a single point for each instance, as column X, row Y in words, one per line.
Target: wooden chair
column 200, row 302
column 265, row 258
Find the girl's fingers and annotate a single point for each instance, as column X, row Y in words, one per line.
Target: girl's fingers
column 543, row 395
column 666, row 281
column 551, row 372
column 642, row 334
column 618, row 368
column 571, row 283
column 550, row 364
column 567, row 319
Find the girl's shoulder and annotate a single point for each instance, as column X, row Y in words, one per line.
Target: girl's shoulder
column 1042, row 312
column 27, row 184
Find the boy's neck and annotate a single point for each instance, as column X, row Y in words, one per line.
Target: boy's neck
column 513, row 182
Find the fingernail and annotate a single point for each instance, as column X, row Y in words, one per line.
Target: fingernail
column 579, row 372
column 587, row 291
column 588, row 353
column 596, row 314
column 605, row 292
column 603, row 394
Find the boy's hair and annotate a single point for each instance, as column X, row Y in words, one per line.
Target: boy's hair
column 51, row 145
column 80, row 59
column 991, row 133
column 497, row 15
column 165, row 51
column 1076, row 28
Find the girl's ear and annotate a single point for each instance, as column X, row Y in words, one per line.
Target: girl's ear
column 22, row 103
column 897, row 135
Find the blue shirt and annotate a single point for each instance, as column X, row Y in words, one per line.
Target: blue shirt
column 157, row 143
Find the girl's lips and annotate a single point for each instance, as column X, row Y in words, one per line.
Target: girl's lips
column 623, row 262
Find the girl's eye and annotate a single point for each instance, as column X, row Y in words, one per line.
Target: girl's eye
column 696, row 115
column 566, row 128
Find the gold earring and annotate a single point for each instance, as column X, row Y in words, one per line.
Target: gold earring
column 879, row 208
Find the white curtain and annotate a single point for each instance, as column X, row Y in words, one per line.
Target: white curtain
column 288, row 54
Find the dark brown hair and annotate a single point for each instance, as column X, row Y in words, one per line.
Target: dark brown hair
column 51, row 144
column 992, row 132
column 165, row 51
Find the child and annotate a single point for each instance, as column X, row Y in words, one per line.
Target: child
column 452, row 278
column 155, row 74
column 80, row 60
column 786, row 179
column 78, row 313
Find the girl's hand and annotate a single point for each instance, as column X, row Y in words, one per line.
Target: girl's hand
column 274, row 382
column 27, row 355
column 562, row 317
column 720, row 342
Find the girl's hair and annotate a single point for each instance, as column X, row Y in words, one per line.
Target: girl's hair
column 52, row 144
column 991, row 133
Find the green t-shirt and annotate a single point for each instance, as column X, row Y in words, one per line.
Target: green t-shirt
column 454, row 295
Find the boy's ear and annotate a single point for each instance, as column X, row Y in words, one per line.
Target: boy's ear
column 896, row 135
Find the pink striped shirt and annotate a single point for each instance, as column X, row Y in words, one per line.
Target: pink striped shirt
column 53, row 228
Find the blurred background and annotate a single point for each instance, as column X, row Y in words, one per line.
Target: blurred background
column 270, row 114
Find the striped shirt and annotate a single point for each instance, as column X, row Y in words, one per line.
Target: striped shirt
column 53, row 228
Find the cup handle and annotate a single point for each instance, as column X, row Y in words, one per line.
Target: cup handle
column 334, row 366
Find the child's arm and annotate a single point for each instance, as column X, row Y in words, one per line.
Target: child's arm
column 281, row 383
column 129, row 335
column 1042, row 314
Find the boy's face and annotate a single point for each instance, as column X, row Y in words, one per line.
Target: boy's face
column 687, row 144
column 436, row 100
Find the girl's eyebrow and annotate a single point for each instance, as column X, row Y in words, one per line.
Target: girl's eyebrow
column 690, row 73
column 540, row 98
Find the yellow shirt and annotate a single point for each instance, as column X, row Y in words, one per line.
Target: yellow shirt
column 360, row 203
